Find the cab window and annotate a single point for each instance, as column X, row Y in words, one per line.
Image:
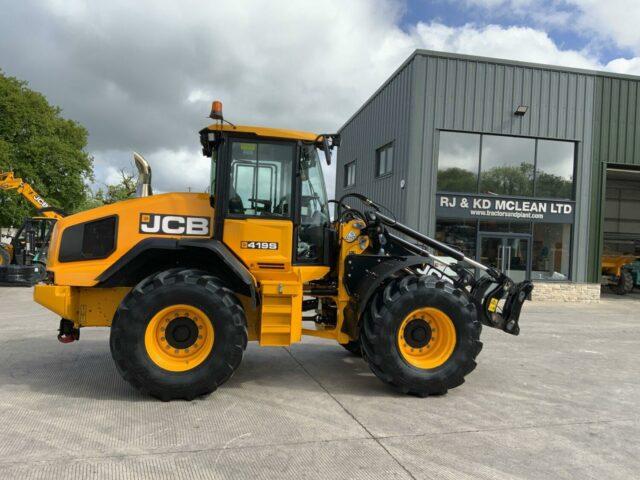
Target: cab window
column 314, row 213
column 261, row 179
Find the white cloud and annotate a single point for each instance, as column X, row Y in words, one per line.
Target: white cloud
column 183, row 169
column 615, row 20
column 511, row 4
column 141, row 75
column 515, row 43
column 629, row 66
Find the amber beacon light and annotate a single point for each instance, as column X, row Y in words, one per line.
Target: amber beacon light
column 216, row 110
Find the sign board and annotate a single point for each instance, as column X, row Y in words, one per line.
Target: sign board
column 489, row 207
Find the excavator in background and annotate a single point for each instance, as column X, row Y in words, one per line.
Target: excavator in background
column 23, row 259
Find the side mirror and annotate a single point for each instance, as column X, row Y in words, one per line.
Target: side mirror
column 329, row 141
column 326, row 148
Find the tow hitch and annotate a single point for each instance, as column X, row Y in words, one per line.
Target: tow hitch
column 67, row 332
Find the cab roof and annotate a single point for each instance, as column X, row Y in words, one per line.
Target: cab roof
column 265, row 132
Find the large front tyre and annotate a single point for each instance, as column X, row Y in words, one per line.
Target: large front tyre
column 421, row 335
column 178, row 335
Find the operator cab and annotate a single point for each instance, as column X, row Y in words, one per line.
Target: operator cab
column 271, row 195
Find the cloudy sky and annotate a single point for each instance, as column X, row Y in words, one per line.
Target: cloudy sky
column 140, row 75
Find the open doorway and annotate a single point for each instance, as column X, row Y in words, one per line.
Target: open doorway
column 621, row 231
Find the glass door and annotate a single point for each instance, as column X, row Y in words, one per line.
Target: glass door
column 509, row 254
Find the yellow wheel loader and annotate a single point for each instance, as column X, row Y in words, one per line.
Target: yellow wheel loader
column 22, row 261
column 185, row 280
column 617, row 273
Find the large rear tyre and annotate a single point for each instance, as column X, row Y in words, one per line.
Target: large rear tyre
column 421, row 335
column 625, row 283
column 178, row 335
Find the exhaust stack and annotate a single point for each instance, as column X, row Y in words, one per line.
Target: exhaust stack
column 143, row 187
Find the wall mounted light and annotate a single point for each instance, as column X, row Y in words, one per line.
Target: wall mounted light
column 521, row 110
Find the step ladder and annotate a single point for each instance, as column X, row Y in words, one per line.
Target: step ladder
column 280, row 313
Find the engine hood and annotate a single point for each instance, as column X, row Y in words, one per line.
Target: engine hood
column 87, row 243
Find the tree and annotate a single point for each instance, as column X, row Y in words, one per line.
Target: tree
column 125, row 188
column 554, row 186
column 43, row 148
column 508, row 180
column 457, row 179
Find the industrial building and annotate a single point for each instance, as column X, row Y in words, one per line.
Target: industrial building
column 532, row 168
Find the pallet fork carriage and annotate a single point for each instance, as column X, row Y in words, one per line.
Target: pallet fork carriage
column 185, row 280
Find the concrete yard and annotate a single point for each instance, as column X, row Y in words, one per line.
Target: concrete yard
column 562, row 400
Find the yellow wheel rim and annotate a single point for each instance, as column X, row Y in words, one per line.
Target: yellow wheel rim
column 426, row 338
column 179, row 338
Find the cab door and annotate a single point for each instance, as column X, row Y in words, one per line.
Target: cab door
column 258, row 220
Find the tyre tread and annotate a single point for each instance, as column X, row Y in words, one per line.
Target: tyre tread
column 373, row 345
column 213, row 284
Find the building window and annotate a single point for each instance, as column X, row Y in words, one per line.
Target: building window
column 518, row 166
column 551, row 251
column 484, row 165
column 458, row 162
column 460, row 234
column 507, row 165
column 554, row 169
column 350, row 174
column 384, row 160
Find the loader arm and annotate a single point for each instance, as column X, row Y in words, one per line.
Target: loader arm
column 497, row 298
column 9, row 182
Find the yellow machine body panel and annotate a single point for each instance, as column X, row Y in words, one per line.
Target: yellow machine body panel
column 166, row 215
column 266, row 247
column 612, row 264
column 267, row 132
column 85, row 307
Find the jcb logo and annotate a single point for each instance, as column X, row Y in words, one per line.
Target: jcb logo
column 173, row 224
column 41, row 201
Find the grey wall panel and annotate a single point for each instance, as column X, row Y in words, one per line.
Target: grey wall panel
column 619, row 140
column 383, row 119
column 480, row 96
